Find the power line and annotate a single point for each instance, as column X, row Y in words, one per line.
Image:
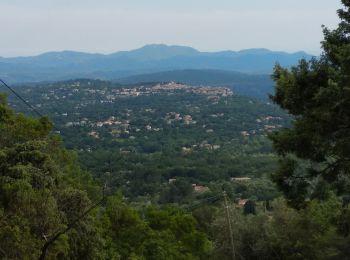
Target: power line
column 21, row 98
column 203, row 201
column 227, row 216
column 28, row 104
column 228, row 220
column 72, row 224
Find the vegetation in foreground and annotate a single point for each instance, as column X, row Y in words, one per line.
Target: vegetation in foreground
column 43, row 192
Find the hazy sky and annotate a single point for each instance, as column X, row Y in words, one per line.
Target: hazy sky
column 30, row 27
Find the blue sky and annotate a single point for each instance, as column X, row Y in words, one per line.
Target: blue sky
column 105, row 26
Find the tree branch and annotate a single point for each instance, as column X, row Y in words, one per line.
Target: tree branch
column 71, row 225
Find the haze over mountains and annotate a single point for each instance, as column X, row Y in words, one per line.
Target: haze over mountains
column 153, row 58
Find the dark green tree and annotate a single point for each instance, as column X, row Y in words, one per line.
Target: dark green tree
column 284, row 233
column 316, row 149
column 163, row 234
column 41, row 193
column 249, row 208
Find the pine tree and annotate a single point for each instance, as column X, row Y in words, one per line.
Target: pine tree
column 41, row 193
column 316, row 149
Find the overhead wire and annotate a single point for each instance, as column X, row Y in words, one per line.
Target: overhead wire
column 31, row 107
column 203, row 201
column 87, row 211
column 189, row 208
column 21, row 98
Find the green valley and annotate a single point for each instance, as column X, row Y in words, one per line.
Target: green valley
column 159, row 142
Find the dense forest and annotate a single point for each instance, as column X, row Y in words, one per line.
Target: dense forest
column 51, row 209
column 171, row 171
column 140, row 139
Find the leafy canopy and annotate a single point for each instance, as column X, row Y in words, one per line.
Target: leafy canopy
column 316, row 149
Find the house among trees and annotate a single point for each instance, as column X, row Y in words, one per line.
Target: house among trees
column 241, row 202
column 241, row 179
column 200, row 188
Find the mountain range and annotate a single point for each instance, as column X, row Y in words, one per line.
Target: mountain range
column 150, row 59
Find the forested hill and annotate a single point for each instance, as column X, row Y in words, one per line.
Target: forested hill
column 176, row 171
column 164, row 153
column 252, row 85
column 148, row 59
column 138, row 137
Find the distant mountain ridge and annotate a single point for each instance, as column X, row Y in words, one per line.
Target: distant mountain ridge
column 53, row 66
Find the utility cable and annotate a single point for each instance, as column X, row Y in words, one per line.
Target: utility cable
column 21, row 98
column 203, row 201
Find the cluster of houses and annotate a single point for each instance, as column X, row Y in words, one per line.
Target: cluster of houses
column 209, row 147
column 118, row 126
column 197, row 188
column 177, row 117
column 110, row 95
column 268, row 124
column 113, row 94
column 107, row 94
column 203, row 90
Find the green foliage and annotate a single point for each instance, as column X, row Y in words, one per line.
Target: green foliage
column 317, row 94
column 37, row 198
column 249, row 207
column 162, row 234
column 43, row 191
column 146, row 141
column 177, row 192
column 284, row 233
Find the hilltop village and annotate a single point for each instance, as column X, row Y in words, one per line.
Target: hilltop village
column 197, row 135
column 77, row 97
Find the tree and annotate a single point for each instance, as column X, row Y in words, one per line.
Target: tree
column 41, row 193
column 164, row 234
column 249, row 208
column 316, row 149
column 284, row 233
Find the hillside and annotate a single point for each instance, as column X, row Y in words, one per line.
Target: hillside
column 54, row 66
column 144, row 135
column 243, row 84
